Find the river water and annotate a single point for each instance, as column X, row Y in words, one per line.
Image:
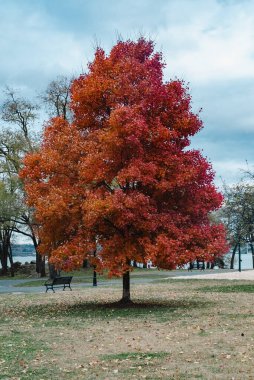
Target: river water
column 23, row 259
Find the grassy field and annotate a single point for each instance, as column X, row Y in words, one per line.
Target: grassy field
column 176, row 329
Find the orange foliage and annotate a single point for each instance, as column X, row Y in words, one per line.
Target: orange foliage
column 120, row 175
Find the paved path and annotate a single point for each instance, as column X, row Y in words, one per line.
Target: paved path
column 11, row 286
column 231, row 275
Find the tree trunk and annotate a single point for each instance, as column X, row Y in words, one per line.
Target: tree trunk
column 43, row 267
column 53, row 272
column 126, row 288
column 252, row 252
column 40, row 260
column 233, row 257
column 40, row 264
column 94, row 276
column 86, row 264
column 4, row 258
column 5, row 249
column 4, row 262
column 11, row 262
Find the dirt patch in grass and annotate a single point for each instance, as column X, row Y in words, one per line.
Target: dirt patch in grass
column 173, row 331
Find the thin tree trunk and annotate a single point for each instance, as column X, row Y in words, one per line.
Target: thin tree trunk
column 239, row 259
column 126, row 288
column 233, row 257
column 40, row 264
column 4, row 259
column 252, row 252
column 43, row 267
column 1, row 254
column 11, row 261
column 40, row 260
column 4, row 262
column 40, row 268
column 94, row 271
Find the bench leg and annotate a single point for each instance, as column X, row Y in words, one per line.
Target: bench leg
column 67, row 286
column 48, row 287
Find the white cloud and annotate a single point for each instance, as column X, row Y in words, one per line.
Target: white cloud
column 30, row 45
column 208, row 43
column 214, row 42
column 230, row 172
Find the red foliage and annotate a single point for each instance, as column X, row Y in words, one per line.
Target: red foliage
column 120, row 174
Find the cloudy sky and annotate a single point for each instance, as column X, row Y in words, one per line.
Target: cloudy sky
column 209, row 44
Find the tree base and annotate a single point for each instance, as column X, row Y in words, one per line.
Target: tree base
column 122, row 303
column 125, row 302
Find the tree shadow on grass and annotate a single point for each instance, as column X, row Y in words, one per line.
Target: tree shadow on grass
column 159, row 310
column 161, row 304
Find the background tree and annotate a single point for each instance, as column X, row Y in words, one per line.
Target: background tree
column 237, row 214
column 15, row 143
column 20, row 112
column 7, row 225
column 120, row 175
column 57, row 97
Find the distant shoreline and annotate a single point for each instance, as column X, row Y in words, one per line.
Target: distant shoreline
column 22, row 259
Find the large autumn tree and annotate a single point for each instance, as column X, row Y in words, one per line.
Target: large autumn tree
column 120, row 176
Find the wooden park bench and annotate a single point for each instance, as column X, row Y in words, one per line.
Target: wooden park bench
column 64, row 282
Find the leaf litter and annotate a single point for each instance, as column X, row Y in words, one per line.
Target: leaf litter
column 174, row 331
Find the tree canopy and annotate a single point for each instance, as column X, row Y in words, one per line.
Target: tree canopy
column 120, row 173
